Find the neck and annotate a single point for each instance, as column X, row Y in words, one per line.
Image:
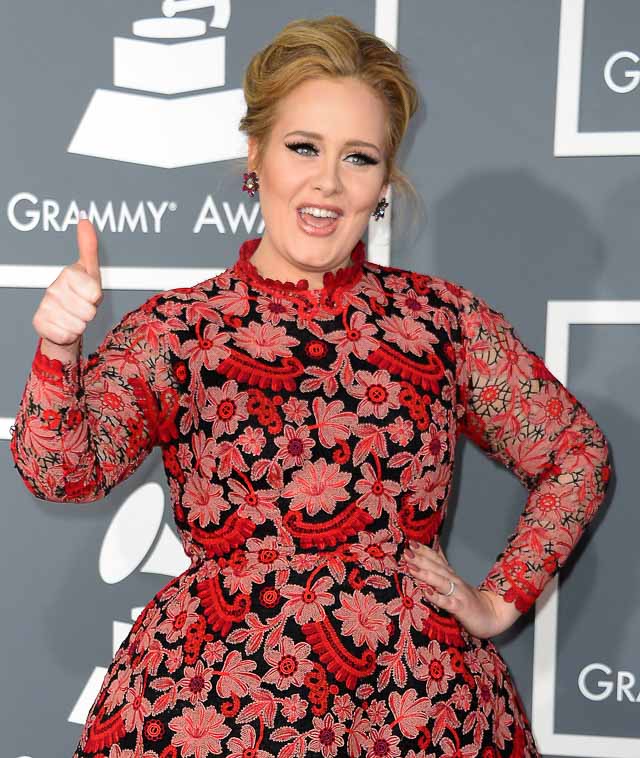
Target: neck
column 274, row 266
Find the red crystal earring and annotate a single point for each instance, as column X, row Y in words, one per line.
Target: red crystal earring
column 379, row 211
column 251, row 184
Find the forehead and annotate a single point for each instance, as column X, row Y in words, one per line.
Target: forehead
column 339, row 109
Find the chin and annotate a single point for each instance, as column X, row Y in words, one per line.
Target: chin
column 321, row 260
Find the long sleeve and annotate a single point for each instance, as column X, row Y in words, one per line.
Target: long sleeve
column 83, row 426
column 514, row 409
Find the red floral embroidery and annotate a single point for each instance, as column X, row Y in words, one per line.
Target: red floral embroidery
column 306, row 435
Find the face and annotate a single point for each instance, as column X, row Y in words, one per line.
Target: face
column 299, row 170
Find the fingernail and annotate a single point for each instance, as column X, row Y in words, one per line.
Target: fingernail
column 83, row 214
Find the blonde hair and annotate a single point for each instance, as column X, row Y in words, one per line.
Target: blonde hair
column 330, row 47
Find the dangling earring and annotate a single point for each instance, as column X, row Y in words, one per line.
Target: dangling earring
column 379, row 211
column 251, row 184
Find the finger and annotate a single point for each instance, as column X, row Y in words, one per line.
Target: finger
column 437, row 581
column 80, row 310
column 435, row 552
column 428, row 557
column 70, row 323
column 60, row 336
column 439, row 589
column 424, row 585
column 60, row 316
column 72, row 298
column 88, row 249
column 85, row 287
column 442, row 555
column 83, row 309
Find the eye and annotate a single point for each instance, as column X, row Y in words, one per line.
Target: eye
column 295, row 146
column 367, row 160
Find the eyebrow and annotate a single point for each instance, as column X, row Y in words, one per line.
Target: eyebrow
column 315, row 135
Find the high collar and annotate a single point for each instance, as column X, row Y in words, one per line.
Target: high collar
column 333, row 283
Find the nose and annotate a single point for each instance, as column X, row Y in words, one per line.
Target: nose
column 328, row 178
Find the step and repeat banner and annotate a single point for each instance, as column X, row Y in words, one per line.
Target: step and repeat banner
column 525, row 156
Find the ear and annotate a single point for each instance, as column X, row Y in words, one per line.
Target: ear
column 252, row 152
column 384, row 191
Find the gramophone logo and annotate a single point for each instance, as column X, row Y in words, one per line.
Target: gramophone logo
column 167, row 108
column 129, row 540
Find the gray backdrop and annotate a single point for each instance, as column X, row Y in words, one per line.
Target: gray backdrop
column 511, row 213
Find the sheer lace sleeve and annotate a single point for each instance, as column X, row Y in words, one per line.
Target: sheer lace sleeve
column 514, row 409
column 84, row 426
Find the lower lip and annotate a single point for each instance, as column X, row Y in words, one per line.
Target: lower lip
column 314, row 231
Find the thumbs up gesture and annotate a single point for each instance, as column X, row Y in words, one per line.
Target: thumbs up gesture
column 71, row 301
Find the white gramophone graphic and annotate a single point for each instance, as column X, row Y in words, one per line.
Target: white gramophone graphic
column 162, row 125
column 126, row 544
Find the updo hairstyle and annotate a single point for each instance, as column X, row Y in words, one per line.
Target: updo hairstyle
column 331, row 47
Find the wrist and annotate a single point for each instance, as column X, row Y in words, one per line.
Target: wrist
column 506, row 613
column 63, row 353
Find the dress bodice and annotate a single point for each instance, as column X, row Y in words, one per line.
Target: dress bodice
column 306, row 435
column 314, row 418
column 330, row 412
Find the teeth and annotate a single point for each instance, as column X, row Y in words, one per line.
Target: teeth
column 319, row 212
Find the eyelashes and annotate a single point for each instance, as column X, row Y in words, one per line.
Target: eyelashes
column 368, row 160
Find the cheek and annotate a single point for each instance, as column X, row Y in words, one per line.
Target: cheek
column 287, row 191
column 363, row 193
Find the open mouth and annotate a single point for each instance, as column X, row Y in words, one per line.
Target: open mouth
column 317, row 226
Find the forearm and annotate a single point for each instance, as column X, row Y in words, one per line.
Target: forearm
column 50, row 441
column 523, row 417
column 82, row 426
column 559, row 507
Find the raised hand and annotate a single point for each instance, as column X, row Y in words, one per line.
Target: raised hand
column 71, row 301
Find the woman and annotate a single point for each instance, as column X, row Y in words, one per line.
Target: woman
column 307, row 403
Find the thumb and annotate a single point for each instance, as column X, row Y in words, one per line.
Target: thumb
column 88, row 249
column 440, row 551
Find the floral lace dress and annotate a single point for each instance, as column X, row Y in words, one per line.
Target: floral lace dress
column 307, row 435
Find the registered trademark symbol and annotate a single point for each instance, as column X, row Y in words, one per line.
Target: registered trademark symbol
column 172, row 206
